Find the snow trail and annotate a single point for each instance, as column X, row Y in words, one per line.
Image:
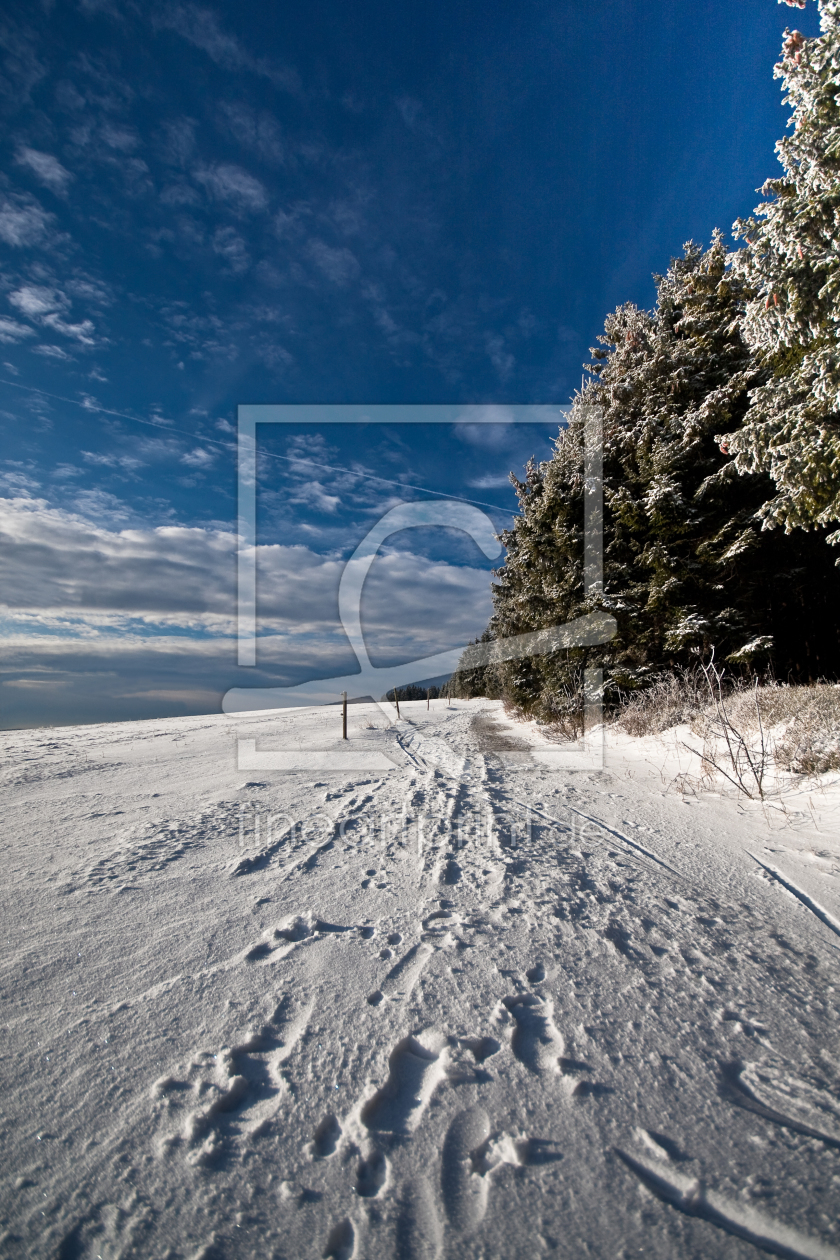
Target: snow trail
column 411, row 1012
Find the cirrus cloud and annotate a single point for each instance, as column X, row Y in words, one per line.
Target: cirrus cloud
column 23, row 221
column 230, row 184
column 46, row 168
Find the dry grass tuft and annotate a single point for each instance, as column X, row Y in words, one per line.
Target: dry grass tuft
column 672, row 700
column 804, row 721
column 750, row 730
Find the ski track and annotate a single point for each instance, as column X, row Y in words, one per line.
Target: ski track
column 693, row 1199
column 823, row 915
column 425, row 1043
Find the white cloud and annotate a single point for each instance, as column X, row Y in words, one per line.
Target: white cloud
column 100, row 505
column 199, row 458
column 338, row 265
column 486, row 425
column 491, row 481
column 200, row 27
column 117, row 622
column 313, row 494
column 230, row 246
column 123, row 139
column 129, row 463
column 177, row 142
column 22, row 68
column 35, row 300
column 90, row 290
column 11, row 331
column 503, row 361
column 46, row 168
column 232, row 185
column 47, row 305
column 53, row 352
column 81, row 332
column 69, row 97
column 179, row 195
column 257, row 132
column 56, row 564
column 287, row 223
column 23, row 221
column 18, row 483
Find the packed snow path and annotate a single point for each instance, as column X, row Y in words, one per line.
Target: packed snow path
column 469, row 1006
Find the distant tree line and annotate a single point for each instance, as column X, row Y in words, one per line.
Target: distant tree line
column 416, row 692
column 721, row 449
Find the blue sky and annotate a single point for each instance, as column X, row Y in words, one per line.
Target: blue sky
column 329, row 203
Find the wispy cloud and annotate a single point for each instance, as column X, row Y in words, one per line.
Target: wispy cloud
column 180, row 194
column 46, row 169
column 128, row 463
column 485, row 425
column 232, row 185
column 201, row 28
column 23, row 221
column 199, row 458
column 176, row 141
column 15, row 482
column 48, row 306
column 338, row 265
column 81, row 332
column 491, row 481
column 12, row 332
column 22, row 67
column 36, row 300
column 228, row 244
column 120, row 137
column 256, row 131
column 53, row 352
column 501, row 358
column 54, row 563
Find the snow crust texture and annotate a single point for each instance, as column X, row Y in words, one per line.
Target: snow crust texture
column 474, row 1006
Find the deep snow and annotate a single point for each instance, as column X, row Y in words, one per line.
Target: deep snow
column 461, row 1003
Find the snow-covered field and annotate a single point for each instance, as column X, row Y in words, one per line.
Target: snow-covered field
column 464, row 1003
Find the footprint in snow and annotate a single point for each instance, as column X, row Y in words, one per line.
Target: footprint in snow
column 452, row 872
column 416, row 1066
column 341, row 1243
column 326, row 1137
column 482, row 1048
column 536, row 1041
column 419, row 1231
column 371, row 1175
column 465, row 1189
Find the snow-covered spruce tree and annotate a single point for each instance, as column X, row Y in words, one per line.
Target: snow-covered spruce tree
column 686, row 563
column 792, row 318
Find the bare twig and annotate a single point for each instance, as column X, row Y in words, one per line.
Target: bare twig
column 744, row 767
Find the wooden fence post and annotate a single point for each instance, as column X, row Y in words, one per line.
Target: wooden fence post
column 344, row 715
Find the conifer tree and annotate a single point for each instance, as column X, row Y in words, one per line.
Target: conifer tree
column 791, row 263
column 686, row 563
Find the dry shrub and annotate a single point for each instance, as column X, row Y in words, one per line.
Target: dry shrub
column 565, row 724
column 805, row 722
column 673, row 699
